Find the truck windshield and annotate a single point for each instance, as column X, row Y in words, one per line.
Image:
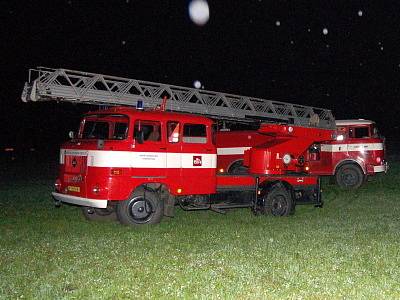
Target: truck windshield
column 106, row 127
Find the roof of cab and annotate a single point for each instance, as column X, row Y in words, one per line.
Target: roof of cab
column 152, row 114
column 353, row 122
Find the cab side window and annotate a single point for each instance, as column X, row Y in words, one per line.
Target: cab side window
column 195, row 133
column 173, row 129
column 359, row 132
column 120, row 131
column 151, row 130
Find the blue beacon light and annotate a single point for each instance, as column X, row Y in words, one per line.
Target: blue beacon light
column 139, row 104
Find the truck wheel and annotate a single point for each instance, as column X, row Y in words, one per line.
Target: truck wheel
column 237, row 168
column 278, row 201
column 349, row 176
column 143, row 207
column 99, row 214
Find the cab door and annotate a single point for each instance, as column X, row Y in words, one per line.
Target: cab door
column 150, row 153
column 191, row 158
column 174, row 155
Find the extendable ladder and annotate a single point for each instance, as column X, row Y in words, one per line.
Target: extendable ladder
column 47, row 84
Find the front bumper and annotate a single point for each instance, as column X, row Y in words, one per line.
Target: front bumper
column 382, row 168
column 97, row 203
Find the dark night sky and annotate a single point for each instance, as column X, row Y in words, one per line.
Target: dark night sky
column 353, row 70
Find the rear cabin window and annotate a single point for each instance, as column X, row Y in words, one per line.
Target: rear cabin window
column 151, row 130
column 194, row 133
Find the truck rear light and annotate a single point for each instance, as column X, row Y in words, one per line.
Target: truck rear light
column 57, row 185
column 378, row 160
column 179, row 191
column 221, row 170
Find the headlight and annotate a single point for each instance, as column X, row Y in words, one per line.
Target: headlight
column 287, row 159
column 340, row 137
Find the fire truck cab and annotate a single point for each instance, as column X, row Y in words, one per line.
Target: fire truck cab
column 137, row 165
column 356, row 153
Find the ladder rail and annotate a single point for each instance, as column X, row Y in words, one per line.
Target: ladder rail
column 47, row 84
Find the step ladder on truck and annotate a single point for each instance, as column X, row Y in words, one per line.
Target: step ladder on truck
column 154, row 149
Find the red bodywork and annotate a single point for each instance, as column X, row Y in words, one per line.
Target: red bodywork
column 113, row 170
column 121, row 148
column 322, row 158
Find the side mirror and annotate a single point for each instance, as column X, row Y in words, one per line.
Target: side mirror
column 139, row 136
column 71, row 135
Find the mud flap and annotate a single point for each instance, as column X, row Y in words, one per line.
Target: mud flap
column 318, row 195
column 169, row 206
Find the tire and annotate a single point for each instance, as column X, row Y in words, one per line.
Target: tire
column 349, row 176
column 237, row 168
column 99, row 214
column 142, row 207
column 278, row 201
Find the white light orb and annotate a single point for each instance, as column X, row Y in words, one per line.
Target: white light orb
column 278, row 23
column 360, row 13
column 197, row 84
column 199, row 12
column 325, row 31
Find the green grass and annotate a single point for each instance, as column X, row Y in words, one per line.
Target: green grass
column 348, row 249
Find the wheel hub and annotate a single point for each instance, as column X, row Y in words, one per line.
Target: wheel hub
column 279, row 206
column 140, row 209
column 349, row 178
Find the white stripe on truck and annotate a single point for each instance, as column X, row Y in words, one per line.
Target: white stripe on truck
column 131, row 159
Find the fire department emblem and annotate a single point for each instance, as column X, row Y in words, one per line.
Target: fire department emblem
column 197, row 162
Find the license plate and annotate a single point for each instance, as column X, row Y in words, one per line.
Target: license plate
column 76, row 189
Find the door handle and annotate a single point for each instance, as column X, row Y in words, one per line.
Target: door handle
column 163, row 148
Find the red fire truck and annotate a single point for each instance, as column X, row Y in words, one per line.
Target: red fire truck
column 138, row 164
column 355, row 153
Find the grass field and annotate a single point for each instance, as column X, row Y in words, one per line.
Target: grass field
column 348, row 249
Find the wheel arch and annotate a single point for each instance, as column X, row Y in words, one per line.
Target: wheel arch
column 162, row 190
column 267, row 186
column 352, row 162
column 152, row 186
column 233, row 163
